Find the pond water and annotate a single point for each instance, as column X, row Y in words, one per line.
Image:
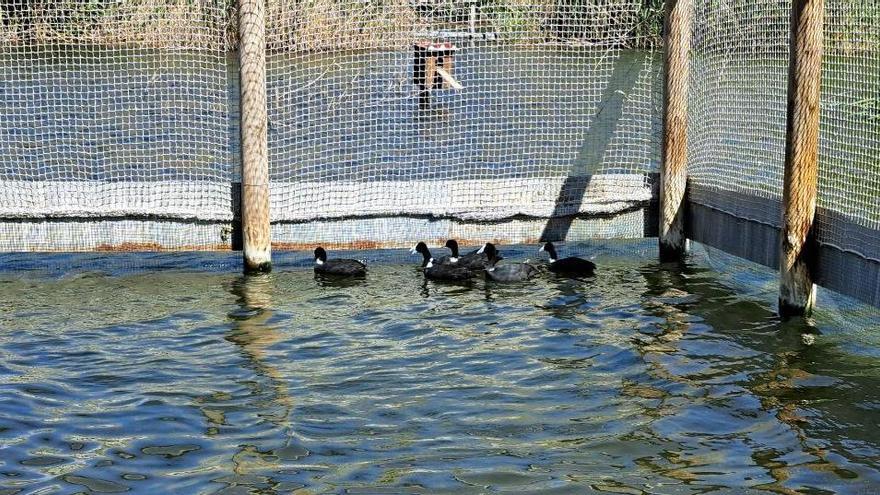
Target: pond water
column 99, row 113
column 187, row 378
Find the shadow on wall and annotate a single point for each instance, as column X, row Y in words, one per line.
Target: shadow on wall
column 601, row 132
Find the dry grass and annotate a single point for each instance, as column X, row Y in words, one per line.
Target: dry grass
column 302, row 25
column 190, row 24
column 331, row 25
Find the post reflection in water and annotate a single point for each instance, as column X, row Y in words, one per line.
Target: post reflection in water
column 751, row 386
column 254, row 332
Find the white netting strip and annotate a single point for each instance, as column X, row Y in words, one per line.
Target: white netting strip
column 547, row 94
column 114, row 109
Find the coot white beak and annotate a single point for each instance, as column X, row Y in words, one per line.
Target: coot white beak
column 542, row 249
column 482, row 249
column 412, row 250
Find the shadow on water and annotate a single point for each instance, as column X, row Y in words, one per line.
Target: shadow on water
column 253, row 333
column 445, row 287
column 340, row 281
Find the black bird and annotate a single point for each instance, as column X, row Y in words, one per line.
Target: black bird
column 343, row 267
column 437, row 271
column 474, row 260
column 511, row 272
column 571, row 266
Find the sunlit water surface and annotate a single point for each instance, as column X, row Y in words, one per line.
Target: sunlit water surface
column 645, row 379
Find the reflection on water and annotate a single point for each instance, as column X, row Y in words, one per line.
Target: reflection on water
column 645, row 379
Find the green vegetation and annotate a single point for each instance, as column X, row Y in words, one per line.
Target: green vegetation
column 649, row 24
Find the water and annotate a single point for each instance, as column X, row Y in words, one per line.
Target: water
column 646, row 379
column 101, row 114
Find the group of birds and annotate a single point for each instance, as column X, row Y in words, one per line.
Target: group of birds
column 455, row 267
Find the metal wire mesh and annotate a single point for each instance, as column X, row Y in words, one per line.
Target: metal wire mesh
column 113, row 110
column 548, row 94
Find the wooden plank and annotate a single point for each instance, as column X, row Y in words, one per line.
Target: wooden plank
column 448, row 80
column 430, row 72
column 797, row 294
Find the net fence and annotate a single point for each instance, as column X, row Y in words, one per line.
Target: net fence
column 849, row 172
column 359, row 127
column 737, row 120
column 737, row 107
column 111, row 110
column 395, row 120
column 128, row 110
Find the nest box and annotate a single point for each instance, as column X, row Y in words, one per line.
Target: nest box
column 433, row 66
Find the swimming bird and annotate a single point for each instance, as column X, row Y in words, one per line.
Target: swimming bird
column 437, row 271
column 510, row 272
column 571, row 266
column 474, row 260
column 344, row 267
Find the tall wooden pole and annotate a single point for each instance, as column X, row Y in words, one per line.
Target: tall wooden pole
column 254, row 146
column 673, row 165
column 797, row 294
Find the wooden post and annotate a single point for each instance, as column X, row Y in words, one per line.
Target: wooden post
column 254, row 147
column 673, row 165
column 797, row 294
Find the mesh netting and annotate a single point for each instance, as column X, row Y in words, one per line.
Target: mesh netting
column 113, row 110
column 849, row 172
column 548, row 96
column 738, row 115
column 737, row 123
column 737, row 107
column 128, row 110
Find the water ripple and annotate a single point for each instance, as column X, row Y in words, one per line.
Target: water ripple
column 642, row 380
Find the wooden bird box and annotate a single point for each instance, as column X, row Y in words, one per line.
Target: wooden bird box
column 433, row 65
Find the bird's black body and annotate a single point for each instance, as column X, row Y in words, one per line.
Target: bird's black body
column 511, row 272
column 340, row 267
column 438, row 271
column 571, row 266
column 474, row 260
